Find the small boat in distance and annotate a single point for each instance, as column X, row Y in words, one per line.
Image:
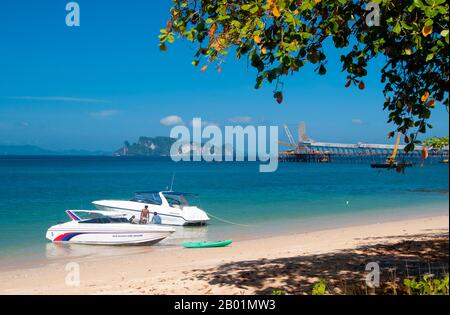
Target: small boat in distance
column 391, row 165
column 172, row 207
column 390, row 161
column 101, row 228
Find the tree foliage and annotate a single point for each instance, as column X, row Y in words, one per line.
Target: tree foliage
column 437, row 143
column 280, row 36
column 427, row 286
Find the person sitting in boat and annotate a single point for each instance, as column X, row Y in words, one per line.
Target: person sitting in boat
column 145, row 215
column 156, row 218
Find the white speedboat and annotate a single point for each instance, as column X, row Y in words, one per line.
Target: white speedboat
column 171, row 206
column 97, row 227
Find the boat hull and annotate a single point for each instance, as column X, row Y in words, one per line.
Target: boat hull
column 207, row 244
column 132, row 235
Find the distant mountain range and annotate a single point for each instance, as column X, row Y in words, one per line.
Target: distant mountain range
column 160, row 146
column 145, row 146
column 35, row 150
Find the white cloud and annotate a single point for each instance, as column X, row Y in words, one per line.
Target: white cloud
column 105, row 113
column 241, row 119
column 171, row 120
column 195, row 123
column 59, row 99
column 358, row 121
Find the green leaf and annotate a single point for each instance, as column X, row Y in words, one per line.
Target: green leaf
column 247, row 7
column 408, row 51
column 418, row 4
column 397, row 28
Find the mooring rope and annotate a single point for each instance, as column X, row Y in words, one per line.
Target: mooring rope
column 226, row 221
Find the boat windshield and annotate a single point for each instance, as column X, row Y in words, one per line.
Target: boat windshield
column 176, row 200
column 96, row 217
column 105, row 219
column 151, row 198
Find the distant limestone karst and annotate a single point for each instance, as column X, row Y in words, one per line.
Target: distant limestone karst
column 160, row 146
column 147, row 146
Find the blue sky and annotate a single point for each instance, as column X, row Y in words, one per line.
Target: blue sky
column 94, row 86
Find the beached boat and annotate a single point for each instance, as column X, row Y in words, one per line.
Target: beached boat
column 96, row 227
column 172, row 207
column 207, row 244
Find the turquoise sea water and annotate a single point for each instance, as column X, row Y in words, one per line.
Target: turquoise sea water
column 35, row 191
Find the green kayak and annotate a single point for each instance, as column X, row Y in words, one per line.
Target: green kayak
column 207, row 244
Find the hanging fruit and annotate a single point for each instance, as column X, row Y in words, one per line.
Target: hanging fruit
column 431, row 103
column 426, row 30
column 322, row 70
column 278, row 96
column 276, row 11
column 424, row 153
column 425, row 96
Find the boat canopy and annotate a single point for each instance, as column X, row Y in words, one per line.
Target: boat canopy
column 150, row 197
column 104, row 220
column 153, row 197
column 86, row 216
column 168, row 192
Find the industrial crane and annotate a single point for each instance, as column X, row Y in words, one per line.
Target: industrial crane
column 299, row 147
column 390, row 161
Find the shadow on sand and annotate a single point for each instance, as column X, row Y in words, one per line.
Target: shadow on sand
column 343, row 271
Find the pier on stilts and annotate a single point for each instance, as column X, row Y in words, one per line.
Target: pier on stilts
column 309, row 151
